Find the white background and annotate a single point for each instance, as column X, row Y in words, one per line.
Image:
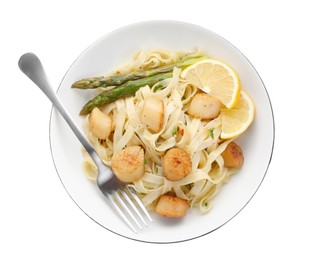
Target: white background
column 38, row 220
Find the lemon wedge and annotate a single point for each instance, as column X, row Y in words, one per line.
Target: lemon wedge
column 237, row 119
column 215, row 78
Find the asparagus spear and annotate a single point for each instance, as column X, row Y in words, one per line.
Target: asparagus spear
column 127, row 89
column 117, row 80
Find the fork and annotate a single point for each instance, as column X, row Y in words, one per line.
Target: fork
column 121, row 197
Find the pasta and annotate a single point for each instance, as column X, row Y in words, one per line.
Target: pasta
column 199, row 138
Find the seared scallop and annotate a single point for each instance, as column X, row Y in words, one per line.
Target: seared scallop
column 100, row 124
column 152, row 115
column 176, row 164
column 204, row 106
column 233, row 156
column 128, row 164
column 171, row 206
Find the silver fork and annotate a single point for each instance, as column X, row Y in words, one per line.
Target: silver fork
column 121, row 197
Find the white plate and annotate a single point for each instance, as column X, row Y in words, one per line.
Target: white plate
column 114, row 50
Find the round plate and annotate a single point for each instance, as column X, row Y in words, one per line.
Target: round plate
column 116, row 49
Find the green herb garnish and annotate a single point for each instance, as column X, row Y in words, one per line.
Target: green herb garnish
column 211, row 132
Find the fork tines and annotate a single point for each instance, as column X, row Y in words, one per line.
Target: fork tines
column 130, row 208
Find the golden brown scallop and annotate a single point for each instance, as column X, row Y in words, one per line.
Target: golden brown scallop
column 171, row 206
column 176, row 164
column 233, row 156
column 128, row 164
column 204, row 106
column 100, row 124
column 152, row 115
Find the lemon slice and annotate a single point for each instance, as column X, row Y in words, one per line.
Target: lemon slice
column 237, row 119
column 216, row 78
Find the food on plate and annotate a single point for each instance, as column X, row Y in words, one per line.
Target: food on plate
column 232, row 156
column 204, row 106
column 165, row 122
column 128, row 164
column 215, row 78
column 236, row 120
column 152, row 114
column 127, row 87
column 119, row 79
column 100, row 124
column 125, row 90
column 176, row 164
column 171, row 206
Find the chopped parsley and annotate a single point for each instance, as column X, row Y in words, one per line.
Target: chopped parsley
column 211, row 132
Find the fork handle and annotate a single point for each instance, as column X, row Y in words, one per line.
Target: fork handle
column 32, row 67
